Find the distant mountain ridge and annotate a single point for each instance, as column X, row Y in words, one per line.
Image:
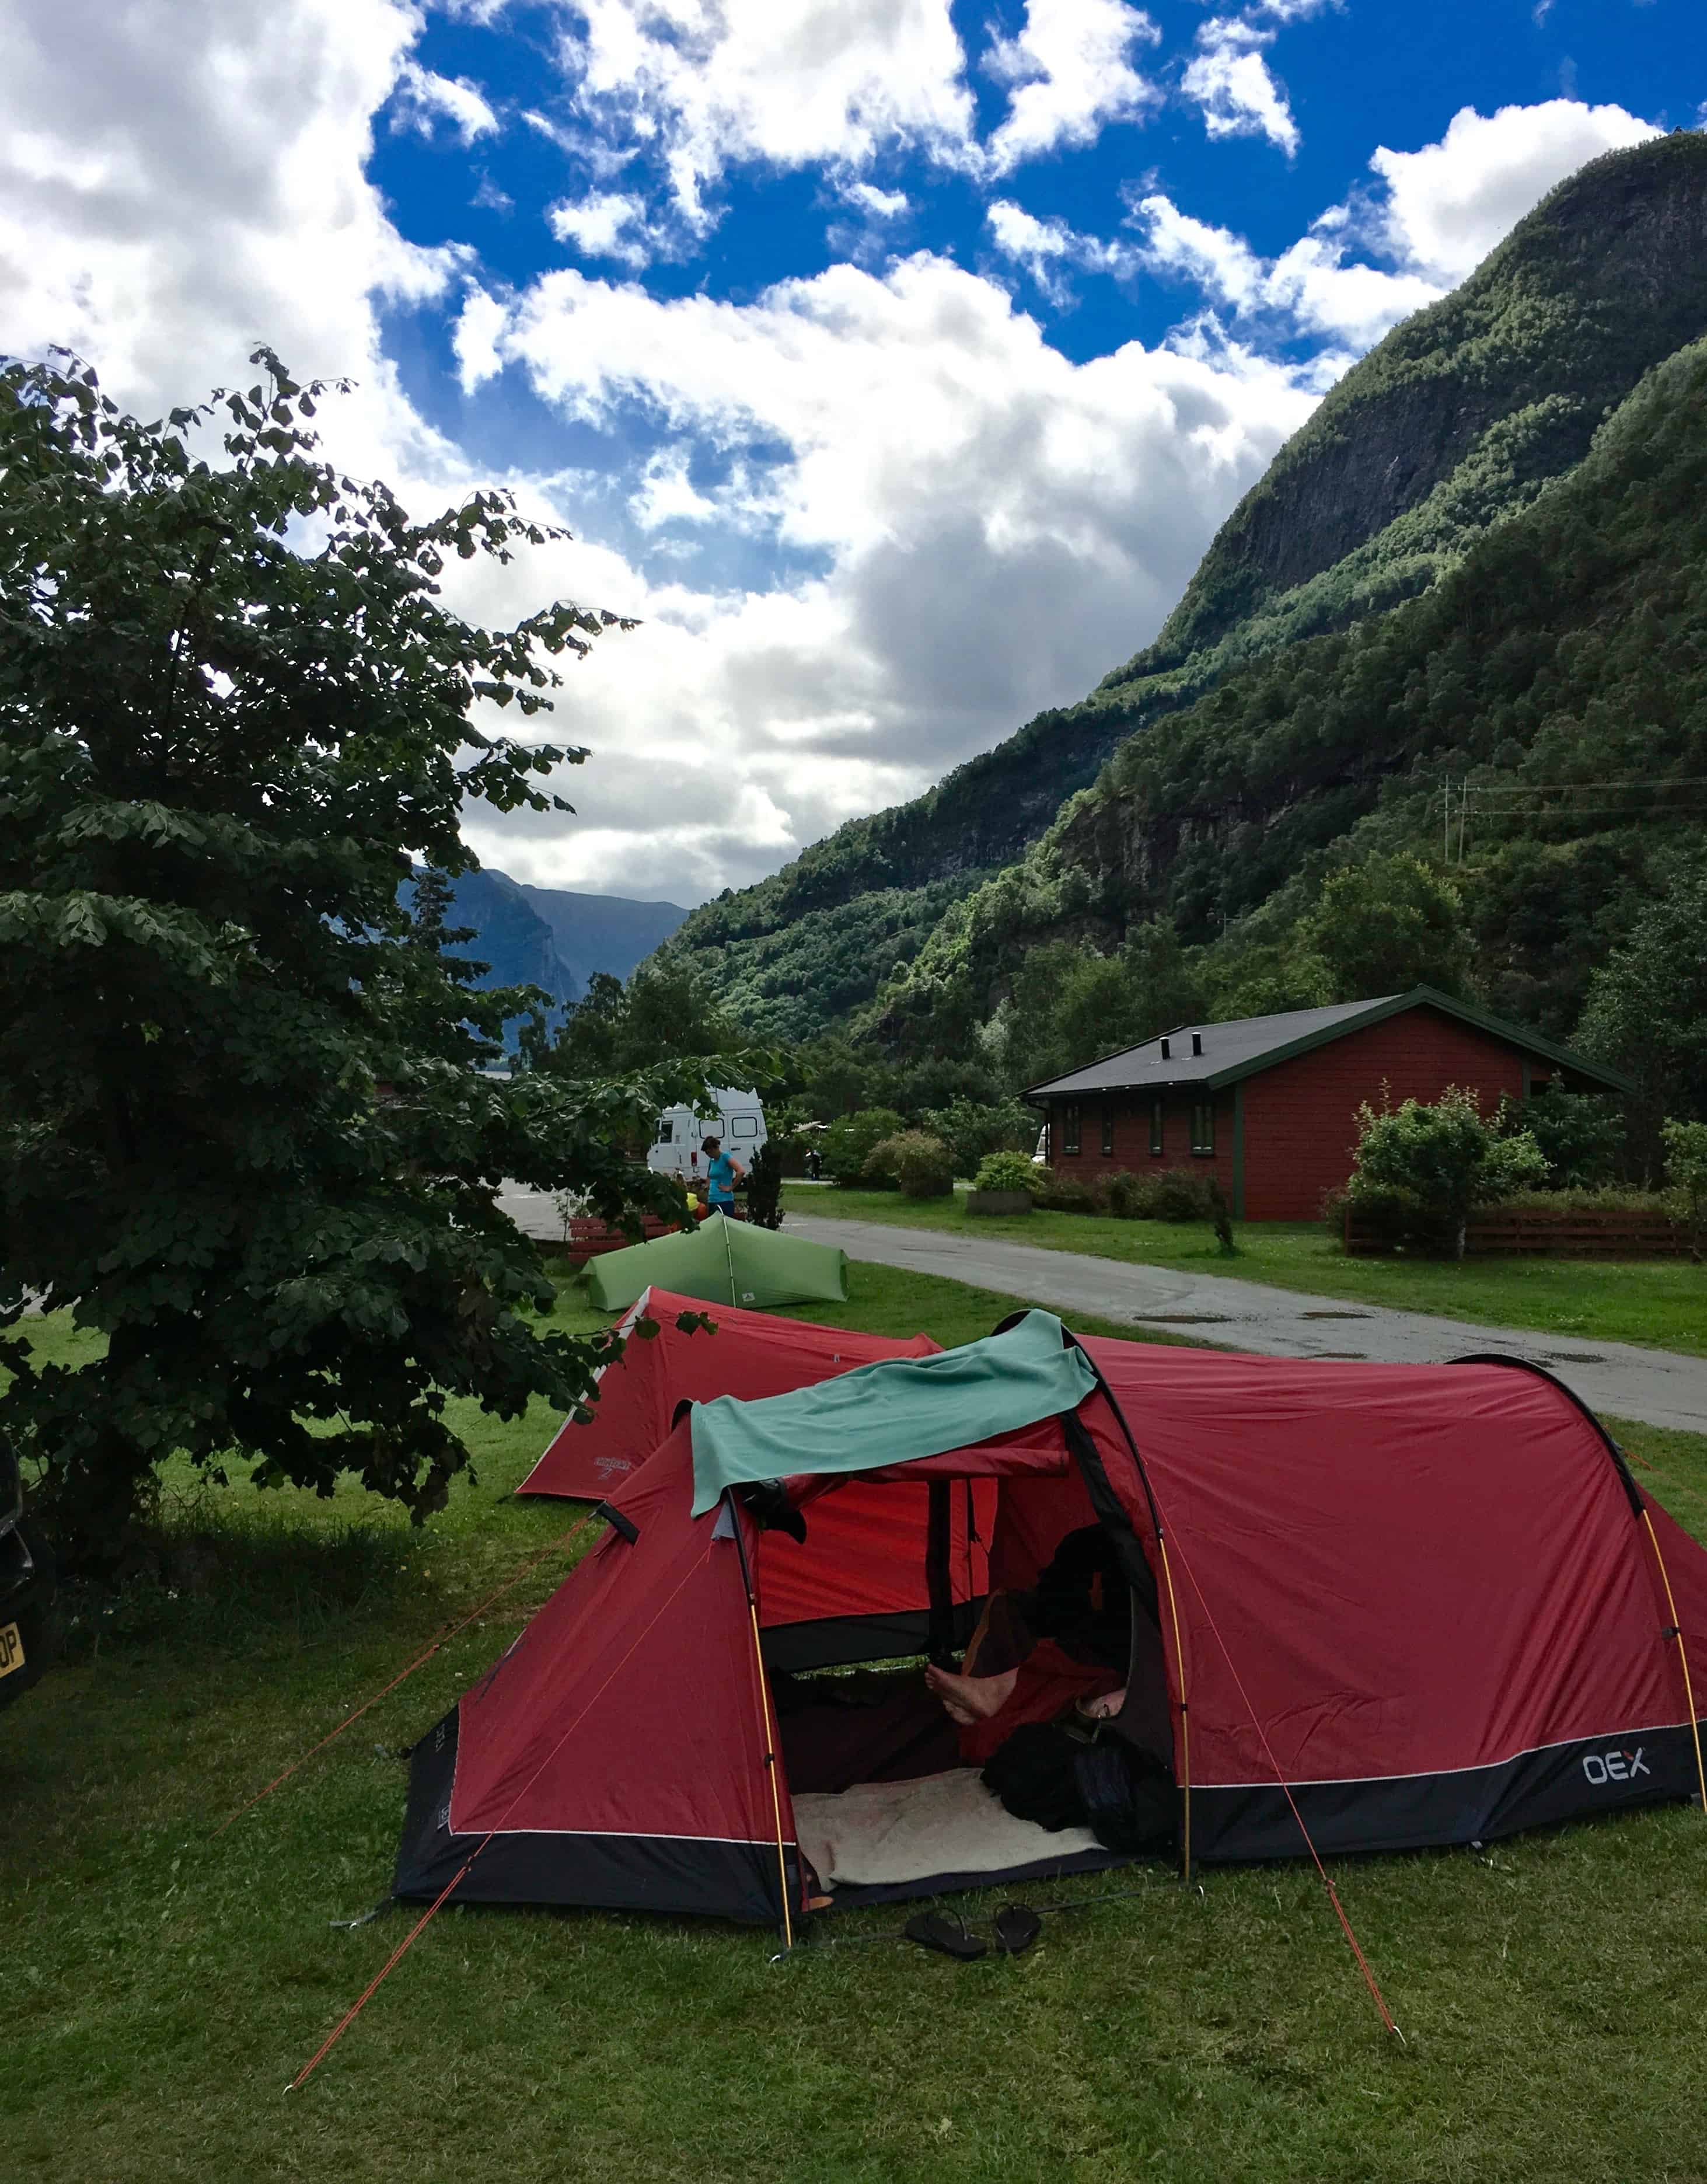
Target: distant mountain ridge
column 594, row 933
column 1454, row 426
column 551, row 937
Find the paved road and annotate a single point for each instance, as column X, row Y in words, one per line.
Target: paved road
column 1657, row 1385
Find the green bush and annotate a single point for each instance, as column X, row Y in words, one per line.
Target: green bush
column 1686, row 1179
column 922, row 1165
column 847, row 1144
column 1421, row 1167
column 1008, row 1172
column 1123, row 1195
column 1177, row 1194
column 765, row 1187
column 1065, row 1194
column 972, row 1129
column 1581, row 1135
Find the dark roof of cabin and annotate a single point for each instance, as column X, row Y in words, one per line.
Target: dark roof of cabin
column 1240, row 1049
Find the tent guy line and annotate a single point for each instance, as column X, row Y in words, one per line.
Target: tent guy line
column 555, row 1546
column 456, row 1880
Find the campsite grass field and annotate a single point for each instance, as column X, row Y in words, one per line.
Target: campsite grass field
column 1659, row 1302
column 161, row 1983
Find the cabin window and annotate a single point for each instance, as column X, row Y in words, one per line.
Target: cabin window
column 744, row 1126
column 1069, row 1127
column 664, row 1133
column 1156, row 1129
column 1108, row 1133
column 1203, row 1126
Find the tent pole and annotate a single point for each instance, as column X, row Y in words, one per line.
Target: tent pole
column 766, row 1734
column 1676, row 1631
column 1185, row 1716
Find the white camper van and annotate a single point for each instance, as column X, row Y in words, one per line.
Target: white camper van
column 739, row 1122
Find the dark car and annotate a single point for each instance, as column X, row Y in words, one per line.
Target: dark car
column 26, row 1590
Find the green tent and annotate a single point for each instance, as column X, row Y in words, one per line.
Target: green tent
column 724, row 1262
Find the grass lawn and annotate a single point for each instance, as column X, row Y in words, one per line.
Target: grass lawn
column 162, row 1986
column 1661, row 1302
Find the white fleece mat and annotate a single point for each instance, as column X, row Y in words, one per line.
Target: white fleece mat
column 878, row 1833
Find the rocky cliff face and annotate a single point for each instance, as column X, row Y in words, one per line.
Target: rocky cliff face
column 1602, row 281
column 1453, row 426
column 1558, row 669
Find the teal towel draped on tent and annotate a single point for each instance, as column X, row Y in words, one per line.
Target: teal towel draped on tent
column 893, row 1413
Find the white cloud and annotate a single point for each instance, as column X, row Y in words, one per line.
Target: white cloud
column 983, row 518
column 1049, row 248
column 1070, row 64
column 607, row 224
column 1448, row 204
column 881, row 204
column 1229, row 79
column 422, row 96
column 900, row 520
column 1310, row 288
column 698, row 88
column 1439, row 212
column 180, row 177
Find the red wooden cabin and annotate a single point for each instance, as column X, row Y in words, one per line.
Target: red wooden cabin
column 1269, row 1105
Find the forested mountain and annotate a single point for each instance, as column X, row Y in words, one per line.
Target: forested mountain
column 1557, row 674
column 1446, row 570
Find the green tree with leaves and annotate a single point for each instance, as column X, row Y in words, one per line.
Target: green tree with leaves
column 1646, row 1006
column 665, row 1013
column 241, row 1134
column 1386, row 925
column 1428, row 1162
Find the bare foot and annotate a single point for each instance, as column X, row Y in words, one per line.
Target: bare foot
column 1105, row 1708
column 969, row 1699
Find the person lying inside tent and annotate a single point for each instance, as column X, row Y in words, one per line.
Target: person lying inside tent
column 1065, row 1644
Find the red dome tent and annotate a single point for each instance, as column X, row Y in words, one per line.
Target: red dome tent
column 860, row 1589
column 1395, row 1606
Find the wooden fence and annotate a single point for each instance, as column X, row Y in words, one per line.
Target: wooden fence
column 1610, row 1232
column 589, row 1237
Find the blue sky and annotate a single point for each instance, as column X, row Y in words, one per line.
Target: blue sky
column 894, row 360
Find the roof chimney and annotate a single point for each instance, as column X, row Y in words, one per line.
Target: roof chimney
column 1167, row 1051
column 1197, row 1042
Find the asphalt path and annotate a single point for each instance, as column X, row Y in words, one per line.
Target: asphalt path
column 1659, row 1386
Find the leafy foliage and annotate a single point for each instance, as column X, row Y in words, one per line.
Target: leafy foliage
column 242, row 1136
column 922, row 1165
column 1007, row 1171
column 848, row 1143
column 1581, row 1135
column 1646, row 1006
column 1686, row 1179
column 1427, row 1163
column 1384, row 926
column 972, row 1130
column 765, row 1187
column 666, row 1010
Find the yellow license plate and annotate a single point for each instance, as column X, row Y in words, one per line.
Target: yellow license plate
column 11, row 1648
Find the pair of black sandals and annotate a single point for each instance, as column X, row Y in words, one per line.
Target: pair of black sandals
column 1016, row 1927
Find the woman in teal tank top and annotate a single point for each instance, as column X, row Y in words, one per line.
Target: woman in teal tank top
column 722, row 1175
